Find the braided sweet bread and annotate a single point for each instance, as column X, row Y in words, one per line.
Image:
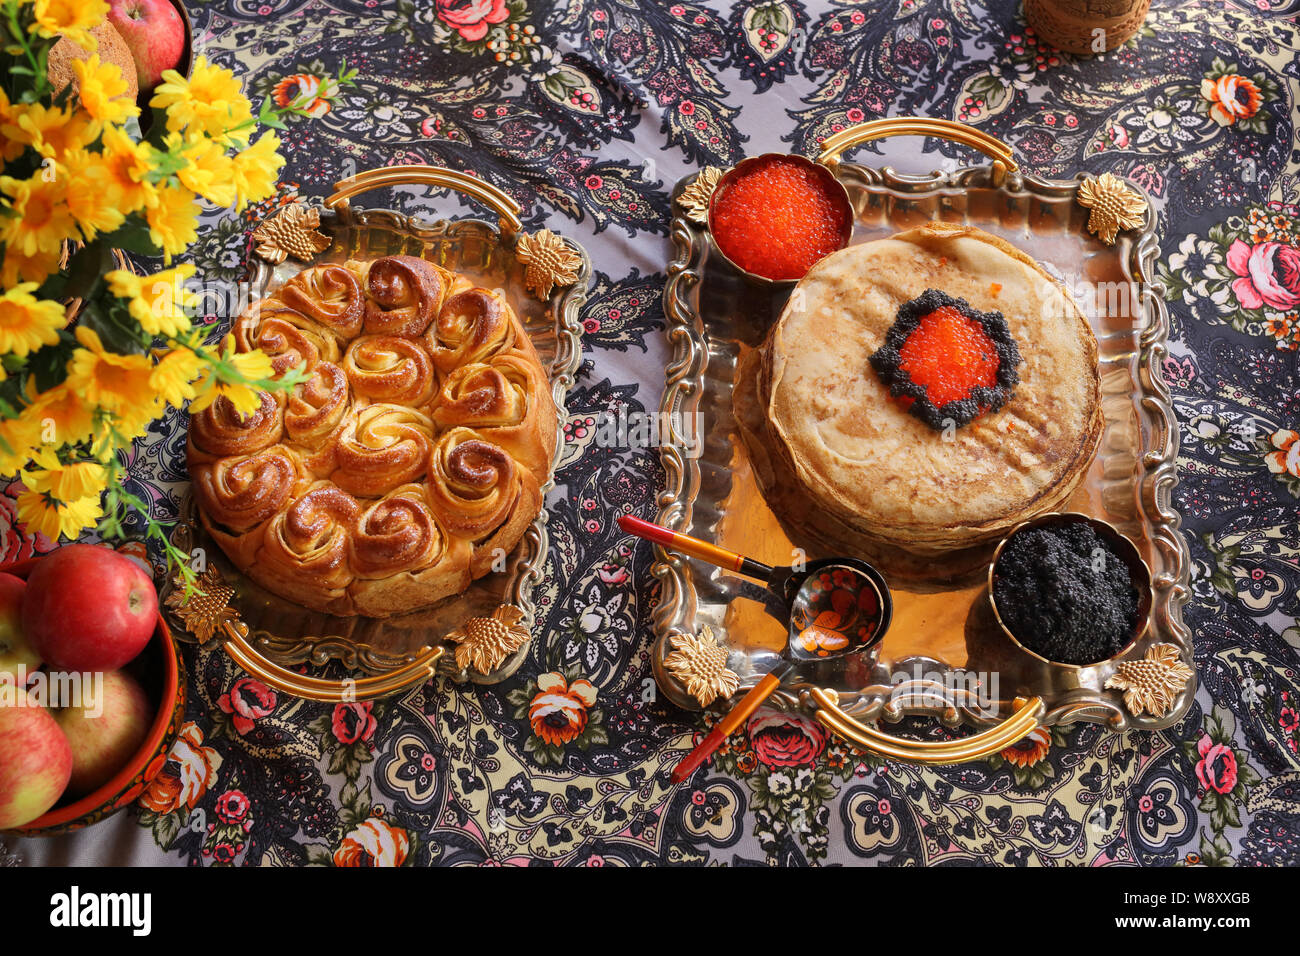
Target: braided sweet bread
column 415, row 449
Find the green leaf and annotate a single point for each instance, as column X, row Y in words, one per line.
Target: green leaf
column 117, row 335
column 133, row 236
column 318, row 855
column 268, row 115
column 166, row 829
column 86, row 266
column 363, row 802
column 49, row 365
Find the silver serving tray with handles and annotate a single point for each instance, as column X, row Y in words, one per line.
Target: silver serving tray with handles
column 940, row 654
column 270, row 636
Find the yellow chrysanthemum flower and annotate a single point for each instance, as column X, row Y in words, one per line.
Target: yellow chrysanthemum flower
column 19, row 267
column 209, row 171
column 93, row 196
column 10, row 149
column 71, row 18
column 254, row 366
column 26, row 322
column 51, row 130
column 41, row 513
column 208, row 389
column 257, row 169
column 59, row 416
column 101, row 87
column 127, row 164
column 41, row 219
column 18, row 437
column 118, row 383
column 158, row 301
column 65, row 481
column 209, row 102
column 174, row 376
column 173, row 220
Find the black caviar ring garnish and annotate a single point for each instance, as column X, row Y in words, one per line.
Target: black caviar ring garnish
column 887, row 361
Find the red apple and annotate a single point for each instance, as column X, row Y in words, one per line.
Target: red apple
column 35, row 762
column 105, row 732
column 155, row 34
column 88, row 608
column 15, row 652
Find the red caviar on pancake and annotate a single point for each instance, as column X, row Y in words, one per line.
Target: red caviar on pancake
column 947, row 362
column 777, row 219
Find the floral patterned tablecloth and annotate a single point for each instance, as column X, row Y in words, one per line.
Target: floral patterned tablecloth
column 587, row 111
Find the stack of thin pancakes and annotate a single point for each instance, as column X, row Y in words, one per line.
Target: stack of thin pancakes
column 848, row 470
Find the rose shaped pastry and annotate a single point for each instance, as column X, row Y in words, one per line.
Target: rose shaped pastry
column 290, row 338
column 237, row 495
column 478, row 492
column 381, row 447
column 472, row 326
column 496, row 399
column 408, row 462
column 405, row 294
column 389, row 368
column 307, row 547
column 397, row 533
column 314, row 412
column 401, row 554
column 329, row 295
column 220, row 430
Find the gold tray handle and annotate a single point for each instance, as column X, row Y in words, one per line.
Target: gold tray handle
column 330, row 691
column 506, row 208
column 990, row 146
column 1028, row 714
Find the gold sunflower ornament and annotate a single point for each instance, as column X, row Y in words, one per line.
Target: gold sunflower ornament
column 695, row 198
column 1115, row 205
column 1152, row 683
column 483, row 643
column 549, row 262
column 700, row 663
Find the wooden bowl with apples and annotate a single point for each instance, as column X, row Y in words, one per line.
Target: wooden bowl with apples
column 92, row 689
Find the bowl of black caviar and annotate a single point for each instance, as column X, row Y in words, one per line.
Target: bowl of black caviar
column 1070, row 589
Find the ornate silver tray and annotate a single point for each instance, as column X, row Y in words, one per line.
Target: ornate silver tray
column 943, row 655
column 545, row 278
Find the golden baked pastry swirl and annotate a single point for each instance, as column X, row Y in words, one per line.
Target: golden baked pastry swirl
column 330, row 295
column 482, row 395
column 381, row 447
column 473, row 483
column 291, row 339
column 410, row 459
column 479, row 493
column 497, row 399
column 405, row 295
column 310, row 542
column 220, row 430
column 390, row 368
column 241, row 492
column 316, row 407
column 472, row 326
column 396, row 533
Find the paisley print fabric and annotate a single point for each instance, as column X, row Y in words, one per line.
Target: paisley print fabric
column 587, row 112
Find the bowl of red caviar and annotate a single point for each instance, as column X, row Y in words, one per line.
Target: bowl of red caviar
column 773, row 217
